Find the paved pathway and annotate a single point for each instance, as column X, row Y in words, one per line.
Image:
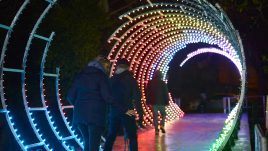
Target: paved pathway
column 193, row 132
column 243, row 142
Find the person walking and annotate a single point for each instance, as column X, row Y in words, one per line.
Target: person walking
column 90, row 93
column 157, row 96
column 125, row 90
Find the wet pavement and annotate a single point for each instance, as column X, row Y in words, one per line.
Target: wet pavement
column 193, row 132
column 243, row 142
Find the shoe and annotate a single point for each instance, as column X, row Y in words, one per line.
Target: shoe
column 101, row 148
column 103, row 139
column 156, row 132
column 162, row 130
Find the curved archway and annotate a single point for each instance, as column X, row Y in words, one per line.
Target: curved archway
column 149, row 39
column 152, row 34
column 212, row 50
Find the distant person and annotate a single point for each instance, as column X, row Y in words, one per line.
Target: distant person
column 178, row 101
column 90, row 93
column 126, row 92
column 157, row 96
column 203, row 102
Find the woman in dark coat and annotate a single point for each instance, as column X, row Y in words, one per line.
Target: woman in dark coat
column 125, row 92
column 90, row 94
column 157, row 96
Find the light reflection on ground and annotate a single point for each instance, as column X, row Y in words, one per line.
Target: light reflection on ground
column 194, row 132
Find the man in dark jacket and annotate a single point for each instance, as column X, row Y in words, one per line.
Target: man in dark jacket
column 126, row 92
column 157, row 95
column 90, row 93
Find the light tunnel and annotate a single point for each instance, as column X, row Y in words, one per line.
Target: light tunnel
column 152, row 34
column 149, row 38
column 212, row 50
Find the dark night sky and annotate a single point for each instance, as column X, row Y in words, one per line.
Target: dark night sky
column 252, row 28
column 211, row 73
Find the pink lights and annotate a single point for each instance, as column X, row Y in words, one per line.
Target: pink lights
column 153, row 34
column 234, row 59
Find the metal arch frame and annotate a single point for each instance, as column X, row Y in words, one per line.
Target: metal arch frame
column 4, row 48
column 235, row 113
column 3, row 100
column 61, row 108
column 48, row 116
column 167, row 58
column 121, row 26
column 233, row 37
column 117, row 53
column 225, row 28
column 159, row 58
column 141, row 82
column 127, row 32
column 45, row 107
column 132, row 34
column 214, row 18
column 28, row 110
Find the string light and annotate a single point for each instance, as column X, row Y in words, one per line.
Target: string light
column 150, row 40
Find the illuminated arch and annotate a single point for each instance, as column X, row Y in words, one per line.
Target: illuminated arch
column 66, row 136
column 152, row 34
column 213, row 50
column 149, row 39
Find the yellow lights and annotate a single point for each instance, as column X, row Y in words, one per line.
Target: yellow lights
column 154, row 33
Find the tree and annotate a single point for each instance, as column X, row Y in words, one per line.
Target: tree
column 79, row 26
column 250, row 17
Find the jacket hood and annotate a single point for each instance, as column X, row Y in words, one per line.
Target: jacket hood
column 96, row 64
column 120, row 70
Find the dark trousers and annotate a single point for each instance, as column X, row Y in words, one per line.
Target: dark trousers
column 163, row 113
column 130, row 130
column 140, row 119
column 91, row 134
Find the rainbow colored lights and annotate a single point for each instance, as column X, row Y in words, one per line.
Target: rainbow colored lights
column 234, row 59
column 152, row 34
column 150, row 37
column 37, row 137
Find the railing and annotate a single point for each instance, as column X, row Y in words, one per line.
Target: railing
column 256, row 106
column 260, row 139
column 227, row 103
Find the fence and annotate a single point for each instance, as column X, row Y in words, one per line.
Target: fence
column 260, row 139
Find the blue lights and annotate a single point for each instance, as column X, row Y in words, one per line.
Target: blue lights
column 150, row 38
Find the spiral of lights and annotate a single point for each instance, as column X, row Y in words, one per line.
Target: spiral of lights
column 149, row 39
column 42, row 138
column 4, row 107
column 152, row 34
